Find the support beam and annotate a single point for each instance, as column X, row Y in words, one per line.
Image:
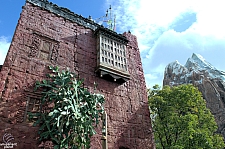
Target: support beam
column 104, row 131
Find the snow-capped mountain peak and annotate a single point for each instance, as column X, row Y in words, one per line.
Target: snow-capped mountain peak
column 176, row 67
column 197, row 62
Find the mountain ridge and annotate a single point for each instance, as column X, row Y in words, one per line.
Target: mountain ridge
column 209, row 80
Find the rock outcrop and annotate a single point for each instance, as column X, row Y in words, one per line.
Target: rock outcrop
column 209, row 80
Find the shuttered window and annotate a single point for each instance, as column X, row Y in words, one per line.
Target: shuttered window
column 45, row 50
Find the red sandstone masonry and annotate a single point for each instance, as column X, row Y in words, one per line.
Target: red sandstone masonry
column 126, row 105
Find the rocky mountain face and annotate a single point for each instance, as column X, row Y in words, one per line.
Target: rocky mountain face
column 209, row 80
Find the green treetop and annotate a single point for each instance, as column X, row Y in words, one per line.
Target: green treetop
column 181, row 119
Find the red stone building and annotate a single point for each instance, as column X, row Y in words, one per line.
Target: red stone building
column 50, row 35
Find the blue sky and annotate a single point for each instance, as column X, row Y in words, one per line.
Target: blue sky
column 167, row 30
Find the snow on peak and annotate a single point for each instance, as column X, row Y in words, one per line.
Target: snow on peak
column 176, row 67
column 197, row 56
column 197, row 62
column 172, row 64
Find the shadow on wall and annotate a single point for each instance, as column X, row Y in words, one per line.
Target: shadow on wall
column 136, row 133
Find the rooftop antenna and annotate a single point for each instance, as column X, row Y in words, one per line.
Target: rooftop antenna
column 114, row 25
column 106, row 15
column 110, row 12
column 107, row 20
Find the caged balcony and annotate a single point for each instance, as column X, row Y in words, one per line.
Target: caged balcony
column 112, row 61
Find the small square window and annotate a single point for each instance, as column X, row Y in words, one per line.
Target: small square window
column 45, row 49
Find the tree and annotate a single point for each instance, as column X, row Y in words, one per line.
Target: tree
column 70, row 123
column 181, row 119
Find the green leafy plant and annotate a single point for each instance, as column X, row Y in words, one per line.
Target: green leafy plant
column 181, row 119
column 70, row 122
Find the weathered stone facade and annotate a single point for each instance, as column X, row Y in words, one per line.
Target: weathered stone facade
column 49, row 35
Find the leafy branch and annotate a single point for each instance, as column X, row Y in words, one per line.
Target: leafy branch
column 69, row 124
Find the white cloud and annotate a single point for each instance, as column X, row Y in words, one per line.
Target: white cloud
column 4, row 46
column 155, row 75
column 151, row 22
column 173, row 46
column 154, row 79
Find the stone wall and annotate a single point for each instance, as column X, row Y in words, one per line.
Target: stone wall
column 71, row 45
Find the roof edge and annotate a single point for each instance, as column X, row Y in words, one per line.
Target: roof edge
column 112, row 34
column 66, row 13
